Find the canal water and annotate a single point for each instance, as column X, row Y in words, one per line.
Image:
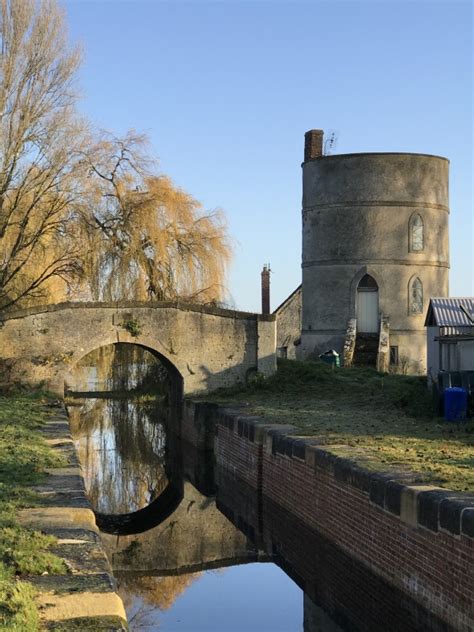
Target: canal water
column 181, row 562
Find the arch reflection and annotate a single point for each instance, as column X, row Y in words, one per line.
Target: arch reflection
column 120, row 420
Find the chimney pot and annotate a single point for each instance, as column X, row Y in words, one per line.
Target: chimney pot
column 266, row 289
column 313, row 144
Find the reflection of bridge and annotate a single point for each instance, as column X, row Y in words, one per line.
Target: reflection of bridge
column 196, row 536
column 206, row 348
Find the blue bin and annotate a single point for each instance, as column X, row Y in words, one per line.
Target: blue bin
column 455, row 403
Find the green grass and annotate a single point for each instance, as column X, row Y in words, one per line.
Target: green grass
column 18, row 610
column 23, row 457
column 381, row 421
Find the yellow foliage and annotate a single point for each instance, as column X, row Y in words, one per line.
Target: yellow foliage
column 80, row 217
column 39, row 135
column 147, row 238
column 158, row 592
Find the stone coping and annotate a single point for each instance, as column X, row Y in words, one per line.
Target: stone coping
column 401, row 493
column 189, row 307
column 374, row 153
column 84, row 598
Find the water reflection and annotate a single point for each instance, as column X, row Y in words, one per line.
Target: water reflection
column 122, row 447
column 119, row 368
column 182, row 561
column 247, row 598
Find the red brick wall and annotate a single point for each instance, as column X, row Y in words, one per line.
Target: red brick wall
column 426, row 556
column 241, row 457
column 434, row 568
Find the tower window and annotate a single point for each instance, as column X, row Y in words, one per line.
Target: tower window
column 416, row 296
column 368, row 284
column 393, row 356
column 417, row 237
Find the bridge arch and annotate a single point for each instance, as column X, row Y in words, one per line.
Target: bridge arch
column 176, row 378
column 209, row 347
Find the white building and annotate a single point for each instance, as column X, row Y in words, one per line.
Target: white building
column 450, row 335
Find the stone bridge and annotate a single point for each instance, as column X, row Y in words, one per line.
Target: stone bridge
column 206, row 348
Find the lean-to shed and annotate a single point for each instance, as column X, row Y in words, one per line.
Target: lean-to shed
column 288, row 318
column 450, row 335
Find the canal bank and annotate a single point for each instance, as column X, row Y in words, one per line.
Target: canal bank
column 50, row 541
column 375, row 551
column 407, row 546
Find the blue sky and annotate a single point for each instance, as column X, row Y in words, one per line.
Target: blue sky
column 225, row 91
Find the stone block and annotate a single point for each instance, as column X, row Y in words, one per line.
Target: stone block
column 467, row 522
column 56, row 607
column 451, row 509
column 428, row 508
column 393, row 496
column 409, row 502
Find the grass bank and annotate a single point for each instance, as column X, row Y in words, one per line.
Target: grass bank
column 380, row 421
column 24, row 455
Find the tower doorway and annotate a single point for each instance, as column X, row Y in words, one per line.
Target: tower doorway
column 367, row 305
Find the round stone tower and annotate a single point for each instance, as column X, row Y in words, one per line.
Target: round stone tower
column 375, row 249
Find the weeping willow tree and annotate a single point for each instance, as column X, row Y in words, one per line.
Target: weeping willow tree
column 40, row 140
column 86, row 216
column 146, row 238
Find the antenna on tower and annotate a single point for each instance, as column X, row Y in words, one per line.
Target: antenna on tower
column 331, row 142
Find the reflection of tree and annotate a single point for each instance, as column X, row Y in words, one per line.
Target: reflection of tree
column 135, row 368
column 142, row 595
column 121, row 367
column 121, row 446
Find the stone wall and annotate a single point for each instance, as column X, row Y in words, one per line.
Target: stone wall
column 357, row 210
column 205, row 348
column 288, row 319
column 409, row 547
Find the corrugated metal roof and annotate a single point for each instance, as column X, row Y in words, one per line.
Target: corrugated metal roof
column 456, row 331
column 447, row 312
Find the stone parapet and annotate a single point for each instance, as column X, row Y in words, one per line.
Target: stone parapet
column 190, row 307
column 203, row 348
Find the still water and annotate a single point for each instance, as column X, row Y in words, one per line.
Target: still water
column 181, row 564
column 255, row 596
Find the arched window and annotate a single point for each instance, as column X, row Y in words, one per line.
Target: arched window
column 417, row 237
column 368, row 284
column 416, row 296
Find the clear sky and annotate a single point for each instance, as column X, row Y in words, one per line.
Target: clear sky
column 225, row 90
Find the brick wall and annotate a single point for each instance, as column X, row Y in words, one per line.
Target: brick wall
column 413, row 545
column 433, row 566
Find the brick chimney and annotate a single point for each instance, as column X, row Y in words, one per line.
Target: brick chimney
column 266, row 289
column 313, row 144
